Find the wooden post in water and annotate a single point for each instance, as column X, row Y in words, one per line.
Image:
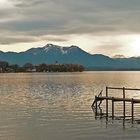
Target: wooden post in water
column 112, row 107
column 106, row 102
column 132, row 110
column 124, row 102
column 96, row 106
column 101, row 113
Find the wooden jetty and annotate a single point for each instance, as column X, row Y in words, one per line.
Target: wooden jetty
column 98, row 100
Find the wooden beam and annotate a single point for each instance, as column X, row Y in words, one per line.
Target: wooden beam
column 124, row 102
column 117, row 99
column 106, row 102
column 96, row 106
column 125, row 88
column 132, row 110
column 112, row 107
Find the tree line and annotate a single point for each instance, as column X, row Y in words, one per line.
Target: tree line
column 5, row 67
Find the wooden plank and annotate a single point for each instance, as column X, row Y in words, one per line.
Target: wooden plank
column 124, row 102
column 132, row 109
column 132, row 89
column 115, row 88
column 118, row 99
column 106, row 102
column 112, row 107
column 125, row 88
column 96, row 106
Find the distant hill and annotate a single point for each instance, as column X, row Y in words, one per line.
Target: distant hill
column 50, row 53
column 119, row 56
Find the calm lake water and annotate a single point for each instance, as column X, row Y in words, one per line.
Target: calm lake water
column 57, row 106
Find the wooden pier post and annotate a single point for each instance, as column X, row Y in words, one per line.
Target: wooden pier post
column 101, row 113
column 112, row 107
column 132, row 110
column 124, row 102
column 106, row 102
column 96, row 106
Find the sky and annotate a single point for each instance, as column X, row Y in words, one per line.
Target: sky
column 109, row 27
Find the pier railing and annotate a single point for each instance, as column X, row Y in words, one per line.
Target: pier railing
column 113, row 99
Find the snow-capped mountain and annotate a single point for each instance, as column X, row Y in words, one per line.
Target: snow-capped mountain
column 50, row 53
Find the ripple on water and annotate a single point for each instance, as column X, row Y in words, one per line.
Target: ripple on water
column 57, row 106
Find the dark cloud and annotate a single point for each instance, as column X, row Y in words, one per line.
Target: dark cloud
column 5, row 40
column 26, row 3
column 37, row 18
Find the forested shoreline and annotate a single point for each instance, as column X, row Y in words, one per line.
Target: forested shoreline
column 5, row 67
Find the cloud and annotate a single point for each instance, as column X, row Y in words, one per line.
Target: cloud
column 54, row 38
column 16, row 39
column 26, row 3
column 38, row 18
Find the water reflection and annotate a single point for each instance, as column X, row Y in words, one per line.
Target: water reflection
column 57, row 106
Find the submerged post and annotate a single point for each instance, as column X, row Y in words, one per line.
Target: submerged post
column 132, row 109
column 96, row 106
column 108, row 98
column 106, row 102
column 124, row 102
column 112, row 107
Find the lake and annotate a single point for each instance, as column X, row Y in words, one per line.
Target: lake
column 57, row 106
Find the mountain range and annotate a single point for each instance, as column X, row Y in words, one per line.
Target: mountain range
column 50, row 54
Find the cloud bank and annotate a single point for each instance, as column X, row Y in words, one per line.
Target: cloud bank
column 38, row 18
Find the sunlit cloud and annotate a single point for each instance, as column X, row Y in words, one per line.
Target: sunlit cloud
column 97, row 26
